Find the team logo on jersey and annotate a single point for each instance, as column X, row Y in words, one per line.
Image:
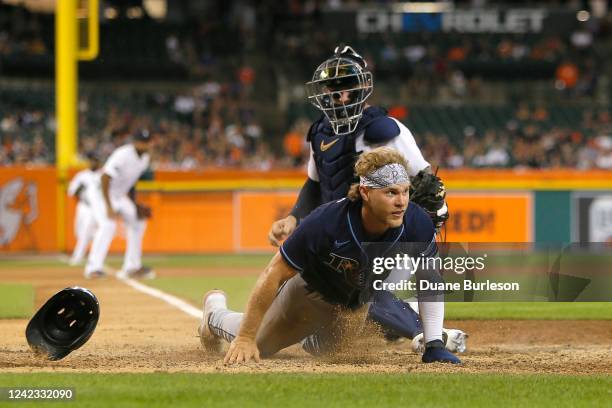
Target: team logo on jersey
column 324, row 146
column 346, row 266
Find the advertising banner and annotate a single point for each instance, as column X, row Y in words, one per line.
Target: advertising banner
column 28, row 209
column 489, row 217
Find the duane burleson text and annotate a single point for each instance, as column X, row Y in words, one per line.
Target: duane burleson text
column 447, row 286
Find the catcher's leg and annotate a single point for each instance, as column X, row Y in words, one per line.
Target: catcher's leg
column 400, row 318
column 294, row 314
column 395, row 316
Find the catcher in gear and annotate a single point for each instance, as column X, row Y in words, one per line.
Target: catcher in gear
column 347, row 128
column 64, row 323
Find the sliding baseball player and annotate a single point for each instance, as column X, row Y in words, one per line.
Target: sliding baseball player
column 322, row 274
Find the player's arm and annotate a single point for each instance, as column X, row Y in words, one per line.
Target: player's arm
column 105, row 182
column 244, row 346
column 75, row 187
column 132, row 194
column 77, row 193
column 308, row 199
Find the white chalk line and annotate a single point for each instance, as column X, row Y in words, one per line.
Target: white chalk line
column 172, row 300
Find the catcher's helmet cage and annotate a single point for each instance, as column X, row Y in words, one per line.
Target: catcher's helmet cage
column 64, row 323
column 343, row 76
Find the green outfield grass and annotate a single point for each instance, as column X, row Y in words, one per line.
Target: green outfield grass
column 194, row 288
column 16, row 301
column 204, row 261
column 321, row 390
column 238, row 289
column 530, row 311
column 157, row 261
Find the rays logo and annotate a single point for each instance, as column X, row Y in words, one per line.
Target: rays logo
column 347, row 267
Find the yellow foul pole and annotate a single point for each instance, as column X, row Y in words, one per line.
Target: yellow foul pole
column 66, row 77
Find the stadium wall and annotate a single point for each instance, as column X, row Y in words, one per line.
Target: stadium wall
column 231, row 211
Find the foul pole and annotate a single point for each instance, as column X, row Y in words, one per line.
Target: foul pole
column 67, row 53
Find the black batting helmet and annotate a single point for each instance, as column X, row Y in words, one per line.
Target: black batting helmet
column 64, row 323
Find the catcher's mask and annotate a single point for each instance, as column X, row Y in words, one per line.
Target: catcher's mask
column 340, row 87
column 64, row 323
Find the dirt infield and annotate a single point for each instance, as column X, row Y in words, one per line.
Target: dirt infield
column 138, row 333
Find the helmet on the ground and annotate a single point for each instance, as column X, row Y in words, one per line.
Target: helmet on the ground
column 64, row 323
column 340, row 87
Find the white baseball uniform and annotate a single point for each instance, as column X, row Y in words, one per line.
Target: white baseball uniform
column 84, row 221
column 124, row 166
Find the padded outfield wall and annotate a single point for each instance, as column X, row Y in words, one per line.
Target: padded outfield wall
column 230, row 211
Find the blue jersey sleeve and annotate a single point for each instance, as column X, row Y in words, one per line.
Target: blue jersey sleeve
column 425, row 231
column 302, row 241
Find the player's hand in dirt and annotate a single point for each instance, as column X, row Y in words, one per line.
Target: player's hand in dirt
column 281, row 229
column 242, row 350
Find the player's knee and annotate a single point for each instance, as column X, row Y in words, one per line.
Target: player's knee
column 268, row 345
column 108, row 226
column 266, row 350
column 141, row 225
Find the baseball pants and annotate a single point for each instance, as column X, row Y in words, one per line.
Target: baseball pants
column 84, row 230
column 135, row 229
column 296, row 315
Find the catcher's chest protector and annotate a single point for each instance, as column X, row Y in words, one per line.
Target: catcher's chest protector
column 335, row 156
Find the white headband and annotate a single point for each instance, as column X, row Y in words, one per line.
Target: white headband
column 385, row 176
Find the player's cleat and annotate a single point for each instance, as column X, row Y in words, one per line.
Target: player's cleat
column 435, row 352
column 454, row 340
column 213, row 299
column 74, row 262
column 144, row 272
column 95, row 275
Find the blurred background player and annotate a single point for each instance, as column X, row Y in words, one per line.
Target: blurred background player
column 349, row 127
column 113, row 197
column 322, row 275
column 84, row 221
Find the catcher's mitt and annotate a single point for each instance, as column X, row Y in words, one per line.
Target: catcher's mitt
column 427, row 190
column 143, row 211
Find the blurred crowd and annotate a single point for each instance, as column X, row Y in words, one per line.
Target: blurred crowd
column 219, row 122
column 210, row 126
column 526, row 143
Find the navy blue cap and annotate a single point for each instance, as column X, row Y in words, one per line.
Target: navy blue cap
column 142, row 135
